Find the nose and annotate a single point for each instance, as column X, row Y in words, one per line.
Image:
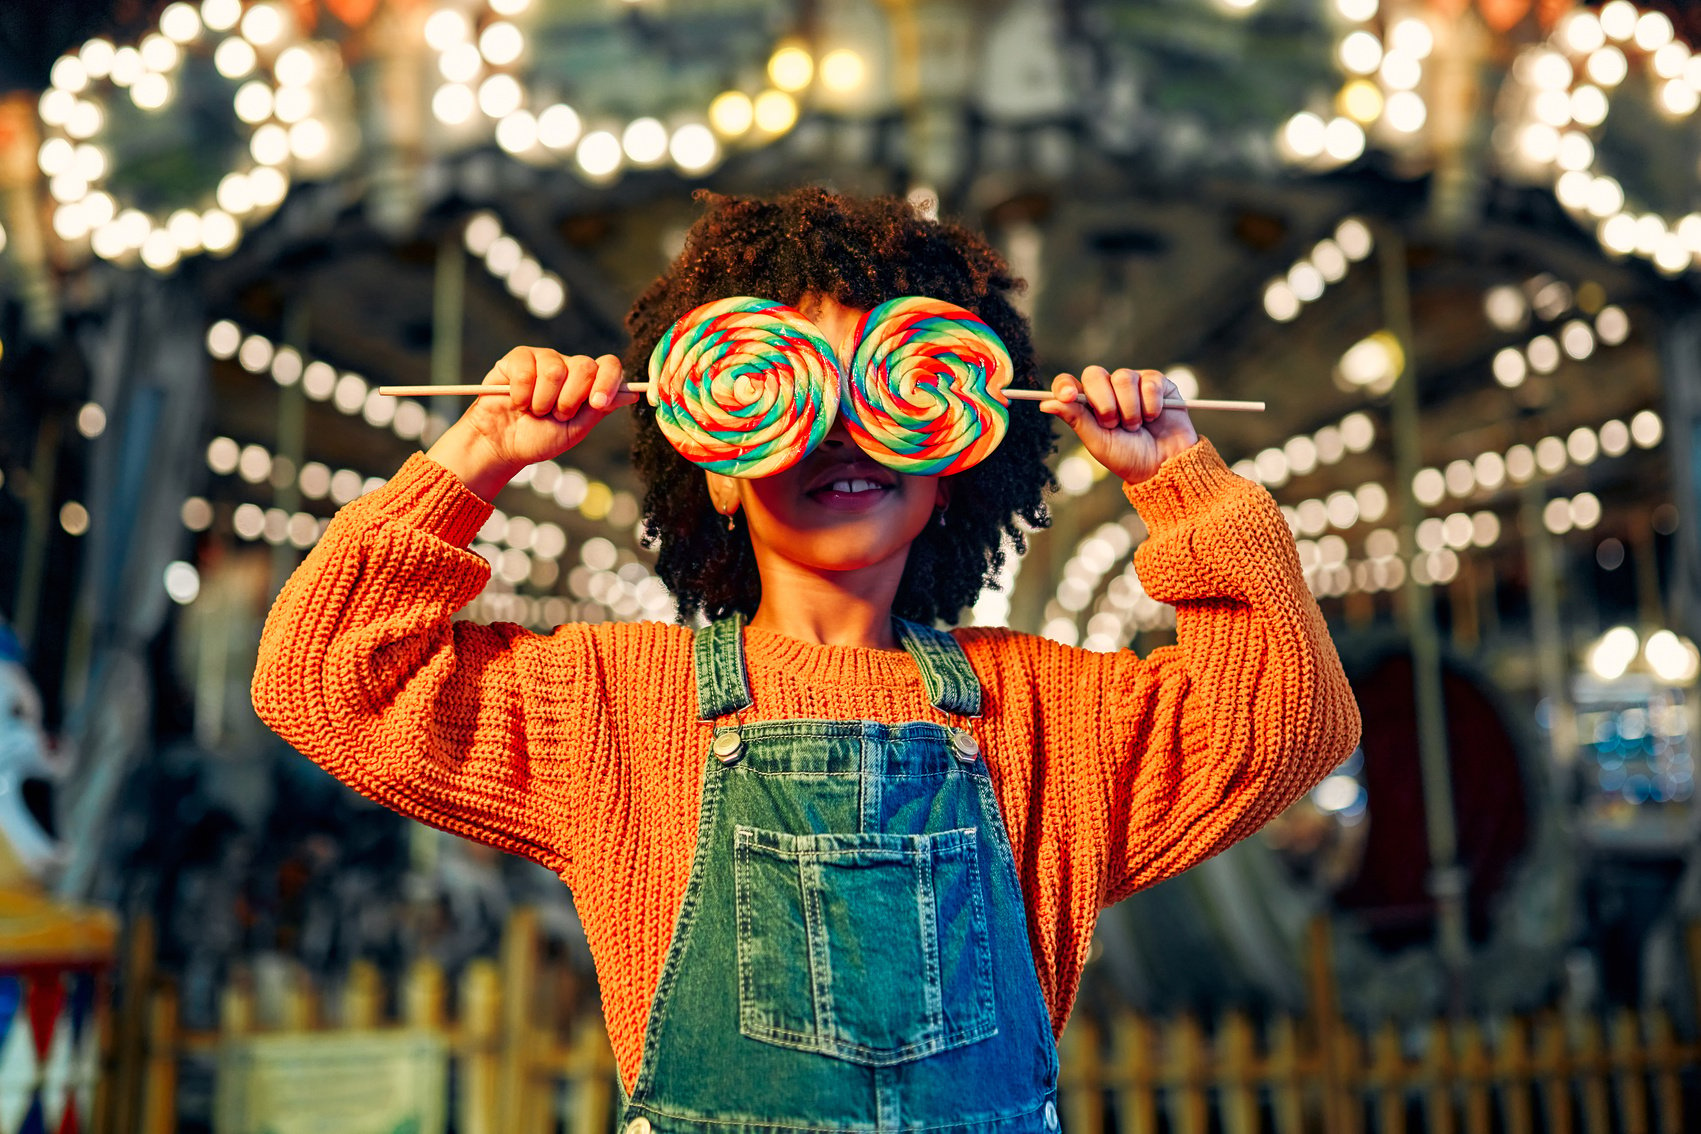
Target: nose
column 838, row 436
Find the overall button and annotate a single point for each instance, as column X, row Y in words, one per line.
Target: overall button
column 1050, row 1116
column 728, row 747
column 641, row 1125
column 968, row 748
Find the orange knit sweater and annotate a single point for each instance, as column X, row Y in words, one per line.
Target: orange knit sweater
column 581, row 748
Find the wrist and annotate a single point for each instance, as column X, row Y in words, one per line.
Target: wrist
column 1169, row 450
column 467, row 454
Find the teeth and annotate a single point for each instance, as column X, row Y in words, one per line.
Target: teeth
column 858, row 485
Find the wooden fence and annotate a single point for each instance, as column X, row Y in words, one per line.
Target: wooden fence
column 1578, row 1074
column 517, row 1071
column 512, row 1066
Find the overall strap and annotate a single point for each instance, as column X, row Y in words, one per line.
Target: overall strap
column 951, row 682
column 722, row 685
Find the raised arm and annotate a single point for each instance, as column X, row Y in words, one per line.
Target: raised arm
column 476, row 729
column 1197, row 745
column 362, row 671
column 1211, row 737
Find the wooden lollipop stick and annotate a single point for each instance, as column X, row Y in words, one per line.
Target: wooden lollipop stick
column 1169, row 403
column 476, row 391
column 642, row 387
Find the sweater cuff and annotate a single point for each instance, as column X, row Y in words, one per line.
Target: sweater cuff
column 425, row 495
column 1185, row 483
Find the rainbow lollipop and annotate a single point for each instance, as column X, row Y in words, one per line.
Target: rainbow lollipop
column 926, row 386
column 744, row 386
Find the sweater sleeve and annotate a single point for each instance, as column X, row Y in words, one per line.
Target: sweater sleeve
column 1214, row 736
column 1144, row 767
column 363, row 671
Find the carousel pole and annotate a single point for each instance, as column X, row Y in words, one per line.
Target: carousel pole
column 291, row 438
column 1446, row 878
column 448, row 309
column 1546, row 625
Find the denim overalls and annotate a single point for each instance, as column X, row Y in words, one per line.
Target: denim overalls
column 851, row 953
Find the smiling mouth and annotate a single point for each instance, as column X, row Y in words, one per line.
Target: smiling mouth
column 851, row 486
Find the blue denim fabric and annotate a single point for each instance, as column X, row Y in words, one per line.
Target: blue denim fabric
column 852, row 952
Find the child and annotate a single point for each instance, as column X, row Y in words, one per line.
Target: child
column 839, row 869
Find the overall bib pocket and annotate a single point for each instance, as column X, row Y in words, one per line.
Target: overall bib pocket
column 870, row 948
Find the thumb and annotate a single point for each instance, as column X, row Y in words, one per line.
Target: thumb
column 1076, row 414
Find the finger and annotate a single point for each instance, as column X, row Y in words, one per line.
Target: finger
column 519, row 370
column 543, row 367
column 1125, row 384
column 1066, row 388
column 606, row 385
column 1095, row 381
column 581, row 373
column 1069, row 404
column 1065, row 397
column 1153, row 388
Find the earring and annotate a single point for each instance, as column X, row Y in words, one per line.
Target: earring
column 729, row 524
column 941, row 515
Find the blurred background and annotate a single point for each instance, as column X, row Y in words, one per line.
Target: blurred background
column 1453, row 243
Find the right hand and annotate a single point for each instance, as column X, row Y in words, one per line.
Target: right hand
column 553, row 401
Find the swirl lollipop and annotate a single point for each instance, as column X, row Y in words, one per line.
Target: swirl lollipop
column 744, row 386
column 926, row 386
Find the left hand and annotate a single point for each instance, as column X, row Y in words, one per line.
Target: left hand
column 1121, row 419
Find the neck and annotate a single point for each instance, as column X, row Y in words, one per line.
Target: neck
column 829, row 608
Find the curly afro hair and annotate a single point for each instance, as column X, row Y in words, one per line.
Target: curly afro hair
column 861, row 252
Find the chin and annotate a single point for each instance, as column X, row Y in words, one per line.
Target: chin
column 843, row 550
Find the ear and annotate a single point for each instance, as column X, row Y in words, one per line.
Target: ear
column 942, row 493
column 723, row 492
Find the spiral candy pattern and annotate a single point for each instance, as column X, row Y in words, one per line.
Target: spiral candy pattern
column 926, row 384
column 744, row 386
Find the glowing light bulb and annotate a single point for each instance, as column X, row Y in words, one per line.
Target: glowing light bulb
column 791, row 68
column 731, row 113
column 775, row 111
column 842, row 71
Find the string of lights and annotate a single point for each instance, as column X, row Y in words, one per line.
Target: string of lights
column 291, row 102
column 1329, row 571
column 1308, row 278
column 521, row 550
column 478, row 51
column 505, row 258
column 1566, row 90
column 1383, row 58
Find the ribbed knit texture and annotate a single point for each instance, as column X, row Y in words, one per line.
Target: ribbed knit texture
column 582, row 750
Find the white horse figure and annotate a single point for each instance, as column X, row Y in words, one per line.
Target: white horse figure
column 26, row 758
column 34, row 927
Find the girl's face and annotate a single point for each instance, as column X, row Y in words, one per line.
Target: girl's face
column 838, row 509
